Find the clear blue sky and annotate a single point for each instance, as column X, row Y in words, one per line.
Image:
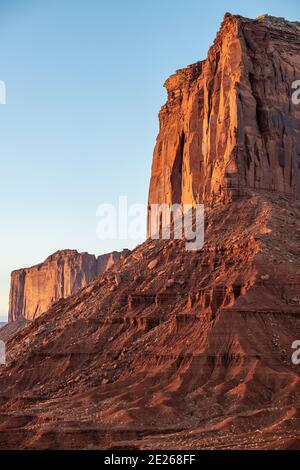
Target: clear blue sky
column 84, row 86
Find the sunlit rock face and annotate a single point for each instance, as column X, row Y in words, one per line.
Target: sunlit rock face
column 229, row 122
column 35, row 289
column 172, row 348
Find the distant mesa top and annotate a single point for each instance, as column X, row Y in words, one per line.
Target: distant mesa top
column 34, row 290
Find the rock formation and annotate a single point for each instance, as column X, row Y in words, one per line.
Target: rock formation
column 189, row 350
column 229, row 123
column 172, row 349
column 35, row 289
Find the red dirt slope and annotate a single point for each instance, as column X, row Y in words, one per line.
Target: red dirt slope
column 192, row 353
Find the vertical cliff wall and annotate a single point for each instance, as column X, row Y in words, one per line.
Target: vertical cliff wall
column 34, row 290
column 229, row 122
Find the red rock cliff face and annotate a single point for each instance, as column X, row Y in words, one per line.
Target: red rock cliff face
column 34, row 290
column 174, row 349
column 229, row 123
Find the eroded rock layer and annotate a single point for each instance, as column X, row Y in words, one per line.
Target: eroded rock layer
column 35, row 289
column 172, row 349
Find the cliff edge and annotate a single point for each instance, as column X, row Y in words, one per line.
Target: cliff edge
column 229, row 123
column 34, row 290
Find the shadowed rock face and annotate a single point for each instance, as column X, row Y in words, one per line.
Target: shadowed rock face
column 35, row 289
column 229, row 123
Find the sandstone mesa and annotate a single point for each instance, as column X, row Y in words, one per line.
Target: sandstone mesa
column 35, row 289
column 187, row 350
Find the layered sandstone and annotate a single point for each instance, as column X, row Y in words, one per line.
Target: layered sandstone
column 189, row 350
column 229, row 123
column 34, row 290
column 172, row 349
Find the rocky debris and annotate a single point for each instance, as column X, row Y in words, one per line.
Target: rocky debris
column 295, row 300
column 34, row 290
column 118, row 279
column 216, row 347
column 153, row 264
column 10, row 329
